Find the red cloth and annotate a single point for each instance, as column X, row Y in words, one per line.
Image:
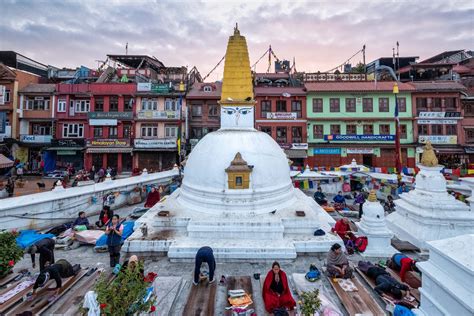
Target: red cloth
column 341, row 228
column 152, row 199
column 271, row 299
column 405, row 267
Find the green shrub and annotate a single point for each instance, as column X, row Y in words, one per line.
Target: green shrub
column 310, row 302
column 10, row 252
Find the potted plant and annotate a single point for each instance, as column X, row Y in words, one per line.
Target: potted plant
column 10, row 252
column 310, row 302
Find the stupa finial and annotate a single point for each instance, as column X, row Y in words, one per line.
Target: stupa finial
column 372, row 196
column 428, row 159
column 236, row 29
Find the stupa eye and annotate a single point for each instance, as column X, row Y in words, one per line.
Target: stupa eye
column 230, row 112
column 244, row 112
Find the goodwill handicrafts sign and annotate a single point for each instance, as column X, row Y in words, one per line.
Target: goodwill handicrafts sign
column 360, row 138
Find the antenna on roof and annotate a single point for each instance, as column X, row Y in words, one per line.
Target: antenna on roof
column 126, row 49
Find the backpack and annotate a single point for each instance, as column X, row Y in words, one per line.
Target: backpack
column 361, row 243
column 313, row 274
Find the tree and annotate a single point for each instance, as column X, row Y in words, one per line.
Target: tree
column 10, row 252
column 358, row 69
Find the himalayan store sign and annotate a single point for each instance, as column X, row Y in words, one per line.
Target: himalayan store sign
column 360, row 138
column 440, row 115
column 109, row 142
column 438, row 139
column 155, row 143
column 282, row 115
column 110, row 115
column 326, row 151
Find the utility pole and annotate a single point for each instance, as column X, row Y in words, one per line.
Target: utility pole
column 398, row 60
column 363, row 58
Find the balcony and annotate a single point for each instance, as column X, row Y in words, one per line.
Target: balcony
column 157, row 115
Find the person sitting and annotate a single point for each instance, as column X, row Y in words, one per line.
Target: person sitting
column 152, row 198
column 105, row 216
column 204, row 254
column 343, row 230
column 339, row 201
column 402, row 263
column 385, row 283
column 45, row 248
column 81, row 220
column 389, row 205
column 276, row 292
column 61, row 269
column 319, row 197
column 337, row 263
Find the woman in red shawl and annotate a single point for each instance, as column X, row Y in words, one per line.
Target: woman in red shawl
column 152, row 198
column 276, row 293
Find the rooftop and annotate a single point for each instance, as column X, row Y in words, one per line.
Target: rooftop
column 39, row 88
column 437, row 86
column 197, row 91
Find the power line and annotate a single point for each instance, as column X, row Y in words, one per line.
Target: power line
column 215, row 67
column 347, row 60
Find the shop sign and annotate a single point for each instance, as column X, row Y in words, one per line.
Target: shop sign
column 438, row 139
column 360, row 151
column 152, row 115
column 455, row 115
column 360, row 138
column 66, row 153
column 281, row 115
column 33, row 139
column 111, row 115
column 108, row 142
column 153, row 87
column 67, row 143
column 155, row 143
column 102, row 122
column 437, row 122
column 326, row 151
column 303, row 146
column 284, row 145
column 144, row 86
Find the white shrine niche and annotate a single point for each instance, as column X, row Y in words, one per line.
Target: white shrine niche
column 238, row 116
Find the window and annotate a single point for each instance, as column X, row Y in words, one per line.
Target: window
column 113, row 104
column 334, row 105
column 41, row 128
column 73, row 130
column 171, row 131
column 367, row 105
column 350, row 104
column 82, row 106
column 36, row 104
column 99, row 104
column 113, row 132
column 266, row 129
column 238, row 181
column 335, row 129
column 402, row 104
column 421, row 105
column 171, row 105
column 150, row 104
column 436, row 129
column 128, row 104
column 281, row 106
column 403, row 131
column 384, row 129
column 149, row 130
column 436, row 104
column 296, row 107
column 196, row 110
column 317, row 105
column 297, row 134
column 98, row 131
column 468, row 109
column 451, row 129
column 7, row 97
column 318, row 131
column 368, row 129
column 207, row 89
column 61, row 105
column 450, row 104
column 197, row 132
column 351, row 129
column 383, row 105
column 281, row 134
column 422, row 129
column 470, row 135
column 265, row 108
column 127, row 131
column 213, row 110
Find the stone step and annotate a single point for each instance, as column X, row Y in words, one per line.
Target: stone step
column 239, row 230
column 185, row 249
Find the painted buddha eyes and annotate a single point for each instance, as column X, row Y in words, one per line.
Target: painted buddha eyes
column 243, row 111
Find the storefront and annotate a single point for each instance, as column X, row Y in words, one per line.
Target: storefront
column 113, row 153
column 68, row 152
column 449, row 153
column 155, row 154
column 34, row 145
column 297, row 153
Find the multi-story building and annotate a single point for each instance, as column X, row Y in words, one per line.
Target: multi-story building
column 438, row 117
column 467, row 122
column 203, row 111
column 280, row 112
column 355, row 120
column 102, row 115
column 36, row 124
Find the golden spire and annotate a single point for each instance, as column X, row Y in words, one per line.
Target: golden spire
column 428, row 158
column 237, row 83
column 372, row 196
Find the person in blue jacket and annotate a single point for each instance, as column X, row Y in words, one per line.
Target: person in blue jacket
column 204, row 254
column 114, row 233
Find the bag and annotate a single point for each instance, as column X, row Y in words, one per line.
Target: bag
column 319, row 232
column 361, row 243
column 313, row 275
column 280, row 312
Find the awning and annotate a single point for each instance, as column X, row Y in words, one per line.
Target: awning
column 64, row 148
column 156, row 149
column 111, row 150
column 296, row 153
column 5, row 162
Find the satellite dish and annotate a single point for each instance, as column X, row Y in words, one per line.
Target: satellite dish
column 286, row 94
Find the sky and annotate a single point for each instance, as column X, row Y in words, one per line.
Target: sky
column 318, row 35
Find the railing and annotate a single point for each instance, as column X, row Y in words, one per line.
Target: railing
column 308, row 77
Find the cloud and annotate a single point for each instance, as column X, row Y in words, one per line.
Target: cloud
column 319, row 34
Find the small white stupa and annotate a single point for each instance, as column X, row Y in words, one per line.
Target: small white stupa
column 428, row 212
column 374, row 227
column 447, row 278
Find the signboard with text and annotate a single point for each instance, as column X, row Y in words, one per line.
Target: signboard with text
column 440, row 115
column 67, row 143
column 360, row 150
column 109, row 142
column 438, row 139
column 151, row 115
column 36, row 138
column 437, row 122
column 155, row 143
column 359, row 138
column 102, row 122
column 303, row 146
column 111, row 115
column 326, row 151
column 281, row 115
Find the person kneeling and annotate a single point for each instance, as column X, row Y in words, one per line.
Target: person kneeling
column 276, row 293
column 61, row 269
column 337, row 263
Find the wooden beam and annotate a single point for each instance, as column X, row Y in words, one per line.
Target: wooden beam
column 238, row 283
column 201, row 300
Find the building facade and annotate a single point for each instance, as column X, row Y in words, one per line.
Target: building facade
column 280, row 112
column 438, row 117
column 355, row 120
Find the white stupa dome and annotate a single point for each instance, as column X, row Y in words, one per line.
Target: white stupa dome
column 205, row 187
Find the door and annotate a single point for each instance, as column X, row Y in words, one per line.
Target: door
column 367, row 160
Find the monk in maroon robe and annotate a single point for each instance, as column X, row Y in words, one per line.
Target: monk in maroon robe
column 276, row 293
column 152, row 198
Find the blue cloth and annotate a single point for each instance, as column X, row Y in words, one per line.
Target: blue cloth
column 29, row 237
column 397, row 258
column 402, row 311
column 127, row 231
column 339, row 199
